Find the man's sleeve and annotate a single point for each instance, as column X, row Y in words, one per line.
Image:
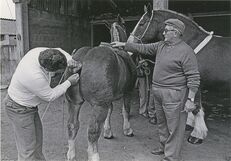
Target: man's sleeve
column 145, row 49
column 190, row 67
column 42, row 89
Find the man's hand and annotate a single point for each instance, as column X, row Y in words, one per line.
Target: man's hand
column 189, row 106
column 74, row 79
column 117, row 44
column 74, row 66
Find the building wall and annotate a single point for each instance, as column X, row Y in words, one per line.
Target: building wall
column 9, row 61
column 220, row 25
column 80, row 33
column 54, row 30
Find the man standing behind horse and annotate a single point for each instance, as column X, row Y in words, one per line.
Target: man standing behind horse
column 175, row 81
column 28, row 87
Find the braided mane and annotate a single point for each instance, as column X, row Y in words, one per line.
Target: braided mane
column 185, row 18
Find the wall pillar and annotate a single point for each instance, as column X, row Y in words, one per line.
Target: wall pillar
column 22, row 31
column 160, row 4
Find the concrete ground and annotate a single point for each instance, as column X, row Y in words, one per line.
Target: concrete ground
column 216, row 147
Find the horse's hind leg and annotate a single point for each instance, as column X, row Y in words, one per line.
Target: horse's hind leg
column 72, row 128
column 107, row 124
column 128, row 131
column 97, row 119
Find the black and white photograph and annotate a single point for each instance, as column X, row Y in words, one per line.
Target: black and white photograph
column 115, row 80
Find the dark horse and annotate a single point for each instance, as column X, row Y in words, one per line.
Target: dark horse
column 213, row 55
column 106, row 75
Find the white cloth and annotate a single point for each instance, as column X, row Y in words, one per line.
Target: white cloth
column 29, row 84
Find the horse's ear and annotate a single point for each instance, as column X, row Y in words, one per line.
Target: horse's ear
column 120, row 19
column 148, row 9
column 145, row 9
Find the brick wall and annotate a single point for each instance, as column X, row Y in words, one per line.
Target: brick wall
column 51, row 30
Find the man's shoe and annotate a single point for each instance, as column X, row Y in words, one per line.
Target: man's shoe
column 157, row 152
column 194, row 140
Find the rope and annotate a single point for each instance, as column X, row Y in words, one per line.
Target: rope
column 48, row 105
column 63, row 131
column 145, row 68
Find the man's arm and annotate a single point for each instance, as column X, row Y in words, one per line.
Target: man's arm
column 145, row 49
column 192, row 74
column 41, row 88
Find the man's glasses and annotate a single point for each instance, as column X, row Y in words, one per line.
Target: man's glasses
column 166, row 30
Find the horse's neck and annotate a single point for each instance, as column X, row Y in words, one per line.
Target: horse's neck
column 193, row 36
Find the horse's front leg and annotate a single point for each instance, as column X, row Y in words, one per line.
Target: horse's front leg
column 97, row 119
column 72, row 128
column 128, row 131
column 107, row 124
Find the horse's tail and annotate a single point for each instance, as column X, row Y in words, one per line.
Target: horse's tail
column 200, row 130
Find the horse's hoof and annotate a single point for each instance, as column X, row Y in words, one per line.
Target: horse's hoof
column 71, row 156
column 128, row 132
column 108, row 134
column 94, row 157
column 130, row 135
column 109, row 137
column 71, row 160
column 194, row 140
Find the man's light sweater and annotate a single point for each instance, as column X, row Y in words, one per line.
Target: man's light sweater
column 176, row 64
column 29, row 84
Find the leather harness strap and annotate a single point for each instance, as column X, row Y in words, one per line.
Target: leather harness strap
column 203, row 43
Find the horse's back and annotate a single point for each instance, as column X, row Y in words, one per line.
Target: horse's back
column 214, row 60
column 103, row 78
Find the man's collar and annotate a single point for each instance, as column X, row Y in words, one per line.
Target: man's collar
column 173, row 43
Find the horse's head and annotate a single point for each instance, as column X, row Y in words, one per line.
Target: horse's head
column 147, row 29
column 151, row 26
column 118, row 30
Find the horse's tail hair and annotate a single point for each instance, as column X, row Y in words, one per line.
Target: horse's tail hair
column 200, row 129
column 190, row 119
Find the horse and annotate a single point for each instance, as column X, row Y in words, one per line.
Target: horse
column 106, row 75
column 212, row 52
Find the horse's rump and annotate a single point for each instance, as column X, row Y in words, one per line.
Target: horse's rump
column 79, row 54
column 73, row 93
column 104, row 76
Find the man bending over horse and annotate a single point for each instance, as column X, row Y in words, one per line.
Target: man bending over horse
column 175, row 81
column 30, row 85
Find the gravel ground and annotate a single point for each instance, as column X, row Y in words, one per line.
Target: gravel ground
column 216, row 147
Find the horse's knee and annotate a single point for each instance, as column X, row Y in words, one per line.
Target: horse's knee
column 72, row 129
column 93, row 132
column 71, row 126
